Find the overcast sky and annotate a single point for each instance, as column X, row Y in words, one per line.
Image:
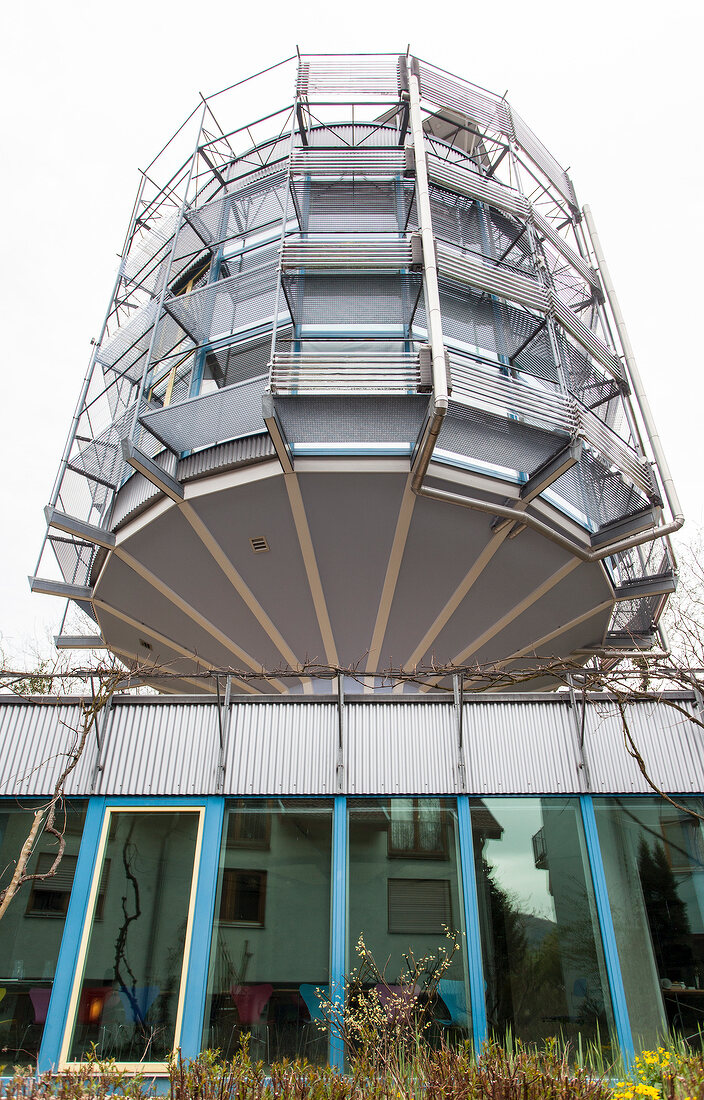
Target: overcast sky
column 92, row 90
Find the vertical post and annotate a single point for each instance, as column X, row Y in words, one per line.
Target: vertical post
column 608, row 936
column 197, row 974
column 471, row 923
column 56, row 1017
column 165, row 285
column 338, row 921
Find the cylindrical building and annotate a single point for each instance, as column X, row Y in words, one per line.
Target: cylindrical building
column 363, row 399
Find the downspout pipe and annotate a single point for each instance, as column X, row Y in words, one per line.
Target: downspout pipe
column 439, row 404
column 643, row 403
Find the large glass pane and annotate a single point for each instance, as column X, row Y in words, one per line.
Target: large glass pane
column 653, row 857
column 134, row 962
column 405, row 895
column 271, row 934
column 543, row 958
column 32, row 927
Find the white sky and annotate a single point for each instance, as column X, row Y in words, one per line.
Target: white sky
column 90, row 91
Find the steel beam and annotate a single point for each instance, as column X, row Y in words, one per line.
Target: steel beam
column 79, row 641
column 549, row 471
column 60, row 588
column 658, row 585
column 149, row 468
column 72, row 526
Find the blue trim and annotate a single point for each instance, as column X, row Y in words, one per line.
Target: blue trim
column 471, row 923
column 603, row 908
column 56, row 1017
column 338, row 922
column 191, row 1037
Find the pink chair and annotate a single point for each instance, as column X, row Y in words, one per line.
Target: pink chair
column 251, row 1000
column 398, row 1000
column 40, row 1003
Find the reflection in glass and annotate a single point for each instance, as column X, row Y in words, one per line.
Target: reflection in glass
column 654, row 864
column 32, row 926
column 271, row 935
column 543, row 959
column 133, row 969
column 405, row 895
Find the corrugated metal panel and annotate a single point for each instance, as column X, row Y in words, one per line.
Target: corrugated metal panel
column 135, row 493
column 512, row 746
column 168, row 749
column 237, row 452
column 520, row 748
column 34, row 741
column 672, row 748
column 284, row 748
column 394, row 748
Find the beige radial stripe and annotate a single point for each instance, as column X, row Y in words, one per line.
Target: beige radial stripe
column 238, row 583
column 311, row 566
column 193, row 613
column 456, row 598
column 518, row 610
column 393, row 569
column 164, row 686
column 534, row 646
column 510, row 615
column 163, row 640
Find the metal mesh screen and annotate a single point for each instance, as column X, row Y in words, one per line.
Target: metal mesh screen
column 351, row 419
column 344, row 135
column 228, row 305
column 598, row 491
column 345, row 300
column 497, row 441
column 352, row 205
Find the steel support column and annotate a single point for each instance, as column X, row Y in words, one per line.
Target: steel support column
column 199, row 959
column 471, row 923
column 608, row 936
column 338, row 922
column 56, row 1017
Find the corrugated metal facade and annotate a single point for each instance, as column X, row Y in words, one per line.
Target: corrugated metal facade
column 291, row 747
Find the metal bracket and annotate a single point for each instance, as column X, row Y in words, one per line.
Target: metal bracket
column 341, row 723
column 578, row 727
column 276, row 432
column 101, row 731
column 153, row 472
column 224, row 721
column 458, row 694
column 60, row 588
column 72, row 526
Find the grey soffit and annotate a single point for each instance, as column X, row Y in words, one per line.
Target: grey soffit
column 402, row 746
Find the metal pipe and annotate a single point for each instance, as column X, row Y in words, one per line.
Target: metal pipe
column 432, row 295
column 643, row 404
column 505, row 512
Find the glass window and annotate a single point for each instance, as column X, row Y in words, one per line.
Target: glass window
column 271, row 937
column 32, row 927
column 543, row 959
column 653, row 857
column 128, row 999
column 405, row 895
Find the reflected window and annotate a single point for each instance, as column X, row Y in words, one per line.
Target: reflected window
column 405, row 895
column 129, row 992
column 271, row 937
column 543, row 958
column 243, row 898
column 417, row 828
column 33, row 925
column 653, row 857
